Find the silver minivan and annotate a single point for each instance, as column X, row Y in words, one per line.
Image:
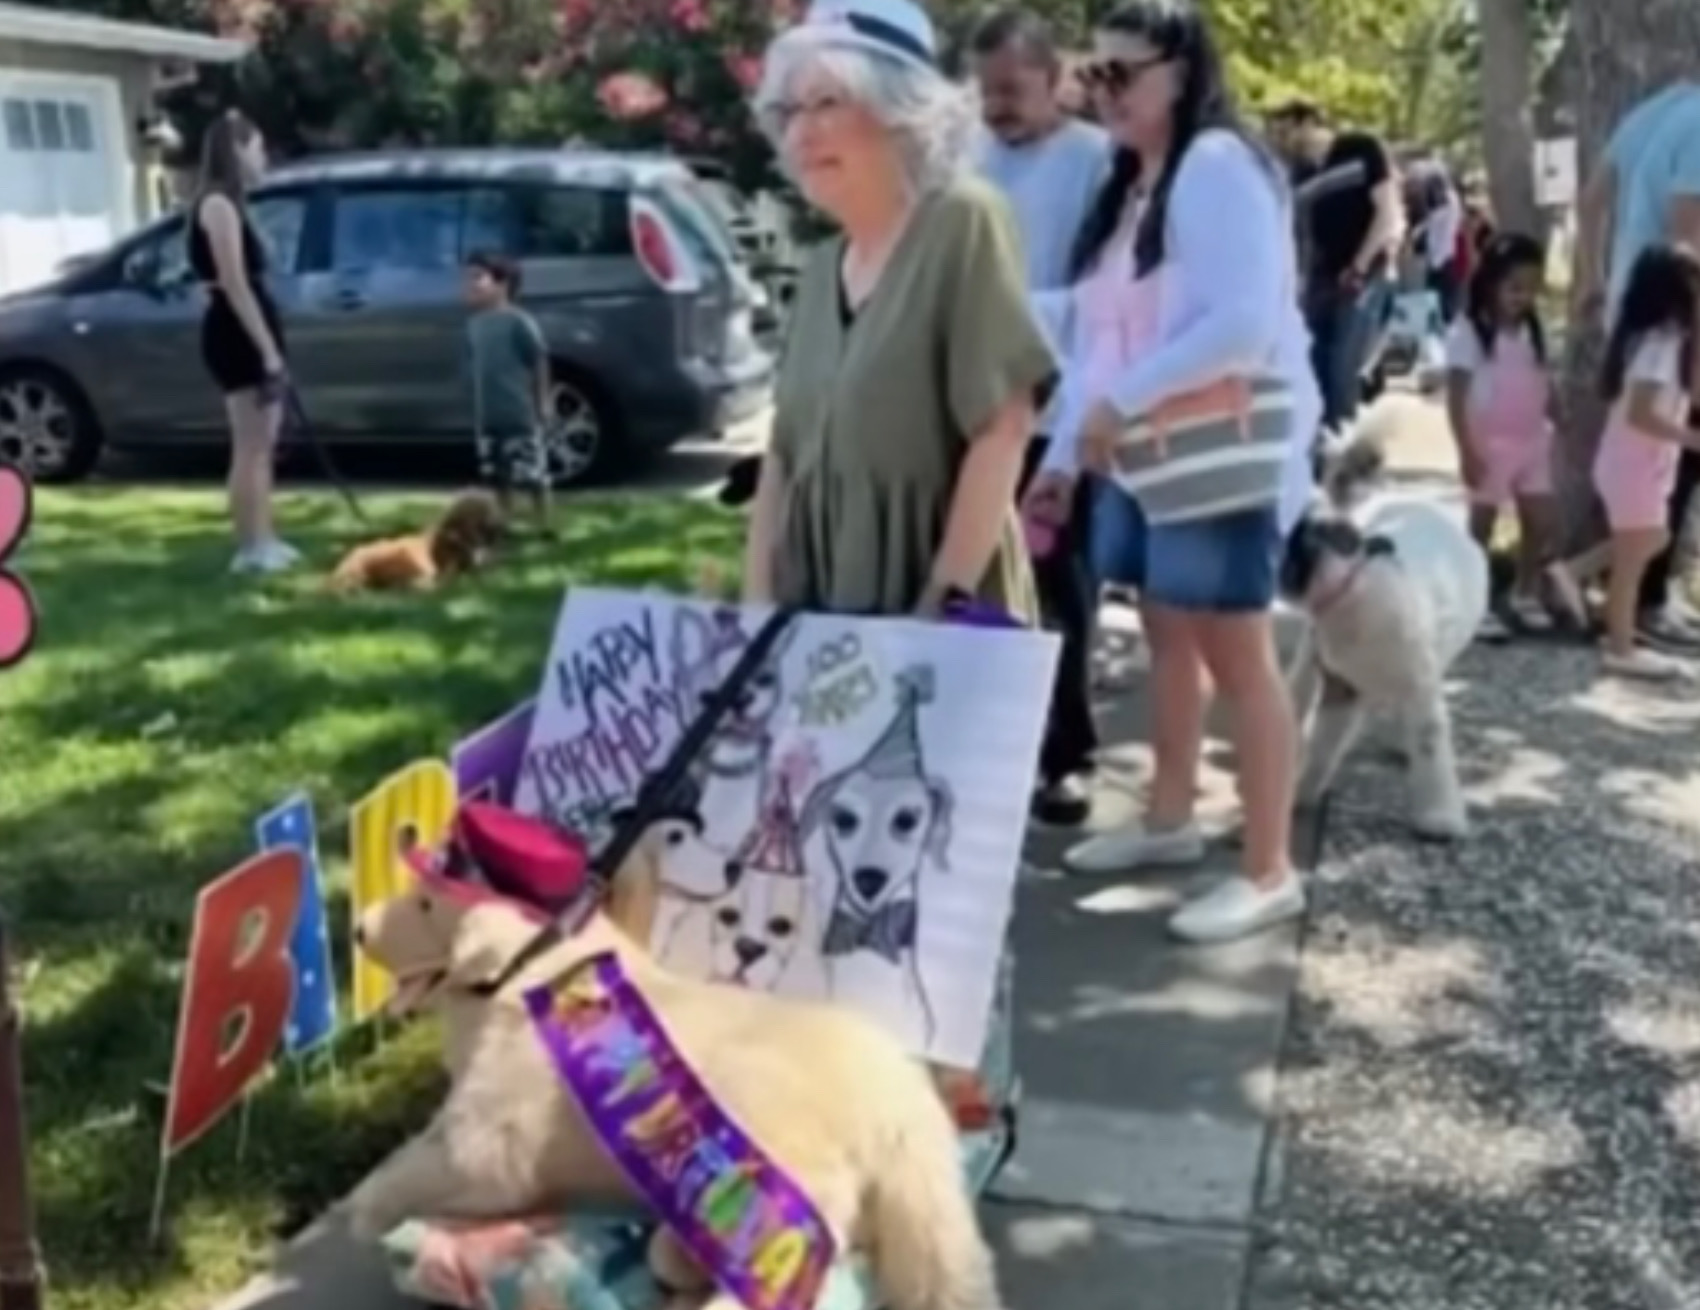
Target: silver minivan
column 647, row 313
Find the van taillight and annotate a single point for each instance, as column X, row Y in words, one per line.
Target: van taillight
column 654, row 248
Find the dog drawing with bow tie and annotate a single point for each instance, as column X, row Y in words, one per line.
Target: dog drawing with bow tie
column 882, row 820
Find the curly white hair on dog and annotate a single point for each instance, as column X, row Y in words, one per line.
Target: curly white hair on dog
column 1394, row 593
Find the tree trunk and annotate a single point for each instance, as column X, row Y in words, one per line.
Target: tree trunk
column 1508, row 98
column 1625, row 52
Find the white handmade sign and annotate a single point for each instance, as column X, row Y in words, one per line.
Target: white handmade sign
column 854, row 826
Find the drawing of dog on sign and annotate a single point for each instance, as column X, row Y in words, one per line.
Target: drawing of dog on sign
column 882, row 821
column 763, row 930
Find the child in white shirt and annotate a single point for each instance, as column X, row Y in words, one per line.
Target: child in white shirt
column 1497, row 397
column 1649, row 371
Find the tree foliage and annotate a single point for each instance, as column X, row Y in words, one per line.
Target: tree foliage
column 676, row 73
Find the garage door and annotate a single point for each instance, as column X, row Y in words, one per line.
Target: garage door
column 60, row 175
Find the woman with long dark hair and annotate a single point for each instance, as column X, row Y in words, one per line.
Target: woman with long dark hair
column 241, row 337
column 1187, row 277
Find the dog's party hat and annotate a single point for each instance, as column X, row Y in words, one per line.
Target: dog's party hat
column 772, row 847
column 493, row 851
column 897, row 753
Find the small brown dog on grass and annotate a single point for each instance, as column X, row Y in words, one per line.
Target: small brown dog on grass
column 458, row 542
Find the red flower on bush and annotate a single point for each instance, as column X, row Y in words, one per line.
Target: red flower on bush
column 689, row 15
column 684, row 129
column 345, row 28
column 745, row 70
column 631, row 95
column 17, row 607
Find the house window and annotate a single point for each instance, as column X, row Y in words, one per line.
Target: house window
column 20, row 126
column 47, row 126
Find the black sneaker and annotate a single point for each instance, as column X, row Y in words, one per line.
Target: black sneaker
column 1065, row 803
column 1668, row 632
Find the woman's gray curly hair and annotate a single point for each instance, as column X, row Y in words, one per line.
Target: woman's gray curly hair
column 933, row 119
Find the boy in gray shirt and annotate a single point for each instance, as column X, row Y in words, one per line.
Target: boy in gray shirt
column 508, row 372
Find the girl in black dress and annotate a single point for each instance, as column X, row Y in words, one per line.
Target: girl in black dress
column 241, row 338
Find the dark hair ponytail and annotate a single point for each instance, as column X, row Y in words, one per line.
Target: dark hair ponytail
column 1105, row 215
column 1663, row 295
column 1177, row 30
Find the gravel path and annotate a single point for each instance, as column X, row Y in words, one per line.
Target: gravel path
column 1491, row 1089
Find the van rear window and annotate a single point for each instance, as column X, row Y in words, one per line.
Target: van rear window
column 558, row 222
column 702, row 226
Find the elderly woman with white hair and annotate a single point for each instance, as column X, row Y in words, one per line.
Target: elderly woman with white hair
column 906, row 395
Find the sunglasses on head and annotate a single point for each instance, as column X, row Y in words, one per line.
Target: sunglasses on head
column 1115, row 75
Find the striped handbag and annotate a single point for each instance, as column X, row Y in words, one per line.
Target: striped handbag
column 1221, row 449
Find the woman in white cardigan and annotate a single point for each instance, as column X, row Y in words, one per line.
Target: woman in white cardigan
column 1186, row 277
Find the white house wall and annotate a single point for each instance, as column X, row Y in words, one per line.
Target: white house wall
column 116, row 89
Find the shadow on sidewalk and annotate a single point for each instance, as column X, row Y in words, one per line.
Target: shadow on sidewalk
column 1490, row 1091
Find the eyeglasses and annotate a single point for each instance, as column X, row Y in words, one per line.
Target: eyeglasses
column 785, row 112
column 1116, row 75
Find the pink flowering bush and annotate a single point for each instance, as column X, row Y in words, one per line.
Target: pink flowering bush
column 625, row 74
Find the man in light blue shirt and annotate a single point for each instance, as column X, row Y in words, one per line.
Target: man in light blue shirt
column 1049, row 165
column 1051, row 168
column 1646, row 189
column 1654, row 158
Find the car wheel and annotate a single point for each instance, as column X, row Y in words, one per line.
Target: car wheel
column 578, row 437
column 45, row 425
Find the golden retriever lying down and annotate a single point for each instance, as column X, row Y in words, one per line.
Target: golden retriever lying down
column 833, row 1099
column 458, row 542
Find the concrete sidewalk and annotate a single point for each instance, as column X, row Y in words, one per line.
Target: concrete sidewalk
column 1149, row 1069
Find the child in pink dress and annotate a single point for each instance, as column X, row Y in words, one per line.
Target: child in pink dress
column 1649, row 372
column 1496, row 397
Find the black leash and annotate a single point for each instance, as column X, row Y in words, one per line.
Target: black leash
column 653, row 798
column 297, row 424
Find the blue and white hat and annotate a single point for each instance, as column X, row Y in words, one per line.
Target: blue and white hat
column 893, row 29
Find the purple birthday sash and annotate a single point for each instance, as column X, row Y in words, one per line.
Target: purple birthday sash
column 742, row 1218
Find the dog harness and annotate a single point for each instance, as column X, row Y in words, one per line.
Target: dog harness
column 1375, row 548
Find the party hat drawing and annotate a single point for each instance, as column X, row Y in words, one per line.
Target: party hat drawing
column 896, row 754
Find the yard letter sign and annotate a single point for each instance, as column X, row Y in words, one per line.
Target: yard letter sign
column 17, row 606
column 413, row 807
column 237, row 993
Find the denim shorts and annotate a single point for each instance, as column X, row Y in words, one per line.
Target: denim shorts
column 1225, row 565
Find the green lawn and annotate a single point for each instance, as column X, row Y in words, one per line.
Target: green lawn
column 166, row 705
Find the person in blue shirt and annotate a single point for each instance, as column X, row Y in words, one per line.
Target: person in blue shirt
column 1050, row 167
column 1646, row 190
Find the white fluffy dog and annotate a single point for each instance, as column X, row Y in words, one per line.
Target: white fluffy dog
column 1394, row 593
column 834, row 1100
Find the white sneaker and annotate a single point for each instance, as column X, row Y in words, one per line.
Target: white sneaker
column 1237, row 907
column 272, row 556
column 1123, row 849
column 276, row 556
column 1644, row 665
column 1530, row 614
column 1492, row 629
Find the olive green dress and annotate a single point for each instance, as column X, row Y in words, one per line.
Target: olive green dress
column 874, row 413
